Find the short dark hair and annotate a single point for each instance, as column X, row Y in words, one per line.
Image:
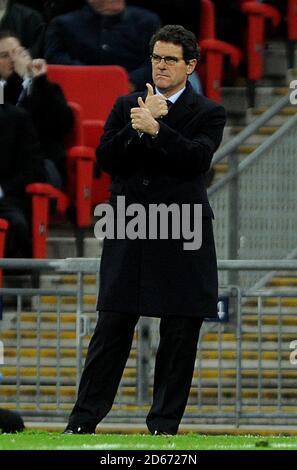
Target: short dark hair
column 179, row 36
column 5, row 34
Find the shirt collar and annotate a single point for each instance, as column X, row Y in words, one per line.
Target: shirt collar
column 174, row 97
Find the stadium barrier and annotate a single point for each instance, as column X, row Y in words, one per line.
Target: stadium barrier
column 254, row 203
column 245, row 370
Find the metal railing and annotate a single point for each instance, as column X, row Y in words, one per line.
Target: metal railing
column 254, row 203
column 232, row 146
column 243, row 370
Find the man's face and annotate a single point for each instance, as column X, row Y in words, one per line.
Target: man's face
column 107, row 7
column 171, row 77
column 7, row 45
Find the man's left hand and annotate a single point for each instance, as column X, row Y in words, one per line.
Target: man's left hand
column 143, row 121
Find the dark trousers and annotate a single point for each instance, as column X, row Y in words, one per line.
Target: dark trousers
column 106, row 359
column 18, row 242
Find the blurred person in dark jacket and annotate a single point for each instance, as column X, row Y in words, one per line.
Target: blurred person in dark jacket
column 26, row 85
column 104, row 32
column 20, row 164
column 174, row 11
column 51, row 8
column 25, row 22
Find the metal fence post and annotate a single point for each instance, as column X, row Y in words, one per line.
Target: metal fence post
column 79, row 310
column 233, row 217
column 238, row 356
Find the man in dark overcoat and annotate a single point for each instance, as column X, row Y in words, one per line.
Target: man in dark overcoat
column 157, row 147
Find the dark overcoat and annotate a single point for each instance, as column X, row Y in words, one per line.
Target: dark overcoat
column 158, row 277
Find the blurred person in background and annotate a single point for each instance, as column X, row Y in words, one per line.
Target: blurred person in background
column 182, row 12
column 104, row 32
column 26, row 85
column 21, row 163
column 51, row 8
column 26, row 23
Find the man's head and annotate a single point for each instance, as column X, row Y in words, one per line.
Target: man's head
column 107, row 7
column 174, row 53
column 8, row 43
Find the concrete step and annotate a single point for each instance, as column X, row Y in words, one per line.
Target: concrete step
column 275, row 62
column 48, row 352
column 278, row 120
column 274, row 301
column 283, row 281
column 209, row 395
column 235, row 100
column 130, row 373
column 258, row 138
column 270, row 320
column 134, row 408
column 51, row 360
column 60, row 247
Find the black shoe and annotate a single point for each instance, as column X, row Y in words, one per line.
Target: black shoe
column 79, row 429
column 161, row 433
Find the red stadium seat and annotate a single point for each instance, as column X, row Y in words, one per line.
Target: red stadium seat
column 257, row 14
column 292, row 30
column 95, row 89
column 213, row 53
column 90, row 111
column 3, row 230
column 207, row 29
column 80, row 165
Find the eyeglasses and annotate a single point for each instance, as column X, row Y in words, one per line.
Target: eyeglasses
column 168, row 59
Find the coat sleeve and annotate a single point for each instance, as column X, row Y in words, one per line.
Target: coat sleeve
column 193, row 154
column 115, row 151
column 49, row 109
column 29, row 166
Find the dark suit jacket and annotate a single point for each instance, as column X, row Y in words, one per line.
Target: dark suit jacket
column 86, row 38
column 51, row 115
column 27, row 24
column 20, row 157
column 158, row 277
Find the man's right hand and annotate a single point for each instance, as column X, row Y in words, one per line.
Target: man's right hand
column 156, row 104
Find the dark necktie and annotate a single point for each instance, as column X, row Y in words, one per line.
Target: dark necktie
column 169, row 104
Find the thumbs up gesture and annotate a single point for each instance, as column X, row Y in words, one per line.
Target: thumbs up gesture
column 156, row 104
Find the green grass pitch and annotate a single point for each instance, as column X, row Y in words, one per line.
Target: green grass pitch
column 42, row 440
